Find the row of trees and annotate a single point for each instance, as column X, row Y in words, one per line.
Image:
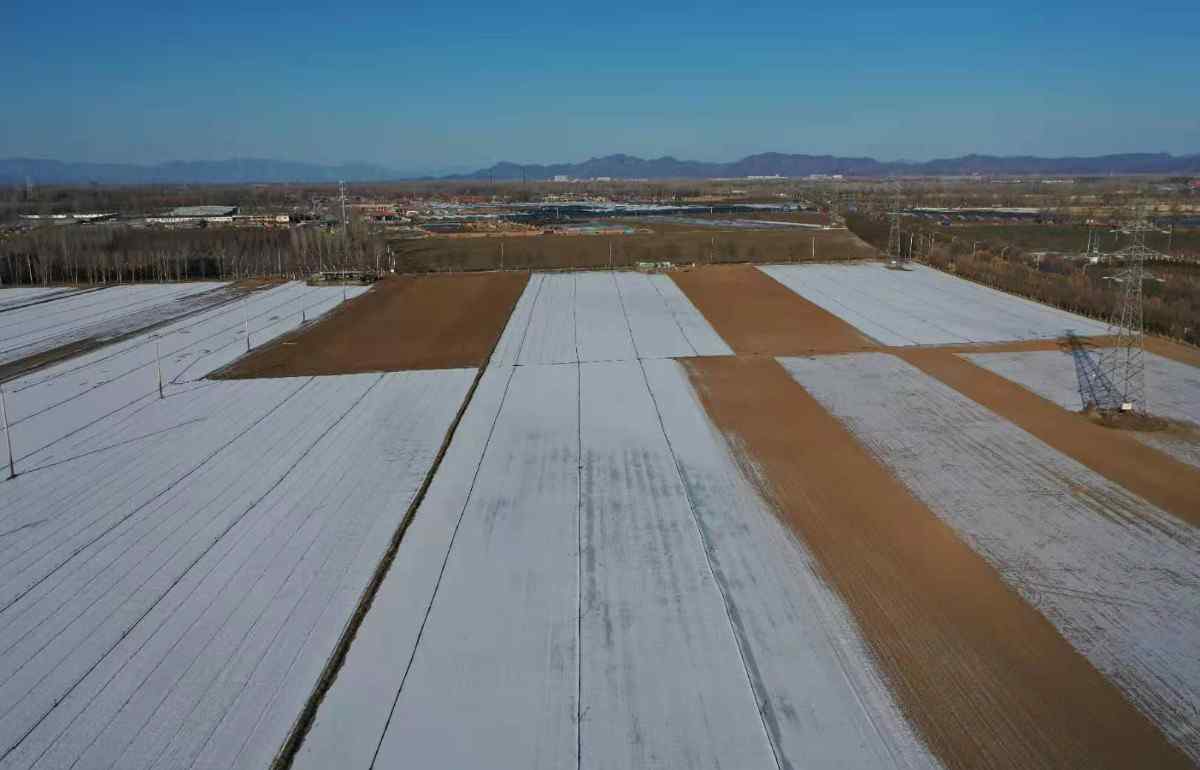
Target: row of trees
column 104, row 254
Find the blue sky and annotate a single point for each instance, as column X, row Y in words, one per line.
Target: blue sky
column 426, row 87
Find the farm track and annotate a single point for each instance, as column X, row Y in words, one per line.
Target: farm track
column 988, row 680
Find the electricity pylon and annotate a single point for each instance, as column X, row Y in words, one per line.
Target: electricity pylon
column 1123, row 364
column 895, row 247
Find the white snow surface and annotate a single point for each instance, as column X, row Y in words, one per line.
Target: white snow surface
column 108, row 312
column 48, row 405
column 604, row 316
column 1118, row 577
column 175, row 575
column 19, row 296
column 1172, row 388
column 923, row 306
column 590, row 582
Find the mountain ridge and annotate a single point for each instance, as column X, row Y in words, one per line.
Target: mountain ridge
column 615, row 166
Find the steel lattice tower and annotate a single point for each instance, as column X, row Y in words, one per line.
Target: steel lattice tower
column 895, row 247
column 1123, row 364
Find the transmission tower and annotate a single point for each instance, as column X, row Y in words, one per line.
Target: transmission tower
column 342, row 196
column 1123, row 364
column 895, row 248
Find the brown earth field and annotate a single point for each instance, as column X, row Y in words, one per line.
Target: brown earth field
column 670, row 243
column 409, row 322
column 986, row 678
column 757, row 315
column 1170, row 484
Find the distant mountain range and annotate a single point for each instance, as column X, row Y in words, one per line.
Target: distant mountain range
column 773, row 163
column 244, row 170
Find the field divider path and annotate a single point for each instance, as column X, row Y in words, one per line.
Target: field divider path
column 1164, row 481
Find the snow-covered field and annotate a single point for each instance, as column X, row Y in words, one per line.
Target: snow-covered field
column 1172, row 390
column 174, row 573
column 590, row 578
column 107, row 313
column 20, row 296
column 50, row 404
column 175, row 578
column 923, row 306
column 604, row 316
column 1118, row 577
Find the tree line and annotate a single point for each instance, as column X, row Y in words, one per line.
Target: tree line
column 114, row 254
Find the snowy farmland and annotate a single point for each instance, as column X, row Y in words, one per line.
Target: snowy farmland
column 23, row 296
column 174, row 572
column 604, row 316
column 1172, row 388
column 922, row 306
column 591, row 576
column 52, row 403
column 107, row 313
column 1117, row 576
column 175, row 579
column 605, row 564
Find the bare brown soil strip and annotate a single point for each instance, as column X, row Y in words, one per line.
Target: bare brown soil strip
column 1166, row 482
column 22, row 366
column 410, row 322
column 757, row 315
column 1166, row 348
column 1184, row 354
column 986, row 678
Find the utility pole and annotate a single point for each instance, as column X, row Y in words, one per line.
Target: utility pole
column 502, row 252
column 246, row 324
column 342, row 195
column 12, row 465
